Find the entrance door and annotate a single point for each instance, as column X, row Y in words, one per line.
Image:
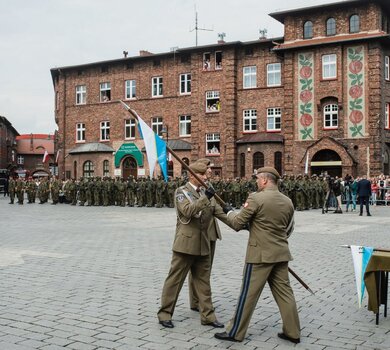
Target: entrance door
column 326, row 161
column 129, row 167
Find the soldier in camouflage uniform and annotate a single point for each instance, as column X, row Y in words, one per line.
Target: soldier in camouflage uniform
column 43, row 191
column 160, row 189
column 97, row 191
column 149, row 189
column 308, row 192
column 72, row 188
column 131, row 188
column 299, row 193
column 20, row 190
column 55, row 190
column 11, row 189
column 82, row 191
column 171, row 188
column 105, row 192
column 236, row 193
column 89, row 191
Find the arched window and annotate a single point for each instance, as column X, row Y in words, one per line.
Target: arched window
column 278, row 162
column 106, row 168
column 88, row 169
column 308, row 30
column 258, row 160
column 354, row 24
column 331, row 26
column 331, row 116
column 242, row 164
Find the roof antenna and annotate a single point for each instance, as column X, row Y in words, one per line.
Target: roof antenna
column 197, row 28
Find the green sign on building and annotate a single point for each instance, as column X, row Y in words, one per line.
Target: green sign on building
column 128, row 149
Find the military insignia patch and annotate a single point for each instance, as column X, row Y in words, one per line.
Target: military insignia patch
column 246, row 204
column 180, row 197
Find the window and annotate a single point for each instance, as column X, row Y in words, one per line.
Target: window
column 129, row 129
column 213, row 103
column 387, row 116
column 81, row 95
column 130, row 87
column 213, row 144
column 331, row 26
column 206, row 61
column 218, row 60
column 329, row 66
column 274, row 74
column 242, row 164
column 104, row 131
column 308, row 30
column 331, row 116
column 387, row 68
column 185, row 83
column 157, row 86
column 274, row 117
column 157, row 125
column 250, row 120
column 258, row 160
column 354, row 24
column 80, row 132
column 88, row 169
column 20, row 160
column 278, row 162
column 185, row 125
column 106, row 168
column 105, row 92
column 249, row 74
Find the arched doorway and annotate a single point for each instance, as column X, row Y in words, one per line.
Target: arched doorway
column 129, row 167
column 327, row 161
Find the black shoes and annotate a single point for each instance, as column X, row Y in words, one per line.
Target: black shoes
column 292, row 340
column 224, row 336
column 368, row 214
column 167, row 324
column 214, row 324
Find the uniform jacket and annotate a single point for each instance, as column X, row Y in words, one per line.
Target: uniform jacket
column 364, row 188
column 269, row 214
column 195, row 225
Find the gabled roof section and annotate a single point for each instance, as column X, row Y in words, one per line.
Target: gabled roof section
column 93, row 147
column 261, row 137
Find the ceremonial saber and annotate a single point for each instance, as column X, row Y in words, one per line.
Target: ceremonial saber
column 220, row 201
column 374, row 249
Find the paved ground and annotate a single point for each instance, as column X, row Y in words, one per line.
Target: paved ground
column 91, row 277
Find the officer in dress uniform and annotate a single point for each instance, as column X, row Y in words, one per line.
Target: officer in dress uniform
column 191, row 248
column 270, row 215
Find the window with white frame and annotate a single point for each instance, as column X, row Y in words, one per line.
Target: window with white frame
column 331, row 26
column 20, row 160
column 354, row 24
column 274, row 74
column 105, row 92
column 185, row 83
column 129, row 128
column 185, row 125
column 105, row 131
column 250, row 120
column 218, row 60
column 80, row 132
column 249, row 77
column 130, row 89
column 387, row 116
column 329, row 66
column 213, row 103
column 331, row 116
column 106, row 168
column 387, row 67
column 274, row 119
column 213, row 144
column 206, row 61
column 157, row 86
column 157, row 125
column 308, row 30
column 81, row 95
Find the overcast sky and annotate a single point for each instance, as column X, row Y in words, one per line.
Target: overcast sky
column 36, row 35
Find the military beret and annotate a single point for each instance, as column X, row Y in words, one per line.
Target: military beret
column 198, row 167
column 269, row 170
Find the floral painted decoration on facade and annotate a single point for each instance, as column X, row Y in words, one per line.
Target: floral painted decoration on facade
column 306, row 97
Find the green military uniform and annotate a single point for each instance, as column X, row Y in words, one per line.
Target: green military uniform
column 131, row 188
column 236, row 193
column 73, row 192
column 191, row 249
column 82, row 191
column 160, row 189
column 171, row 188
column 105, row 192
column 55, row 190
column 270, row 214
column 20, row 190
column 11, row 190
column 89, row 191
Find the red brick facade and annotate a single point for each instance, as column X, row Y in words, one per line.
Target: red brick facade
column 7, row 144
column 359, row 148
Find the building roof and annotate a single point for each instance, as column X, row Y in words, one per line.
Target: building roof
column 261, row 137
column 93, row 147
column 318, row 41
column 35, row 144
column 281, row 15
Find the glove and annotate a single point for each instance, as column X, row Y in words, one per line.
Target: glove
column 227, row 208
column 210, row 192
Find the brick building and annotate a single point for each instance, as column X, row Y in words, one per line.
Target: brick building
column 8, row 136
column 30, row 151
column 319, row 95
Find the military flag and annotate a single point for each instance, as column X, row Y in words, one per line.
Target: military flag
column 45, row 157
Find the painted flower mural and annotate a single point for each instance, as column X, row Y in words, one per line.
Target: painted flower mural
column 306, row 97
column 356, row 92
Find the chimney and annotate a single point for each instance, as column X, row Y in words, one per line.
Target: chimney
column 145, row 53
column 221, row 37
column 263, row 34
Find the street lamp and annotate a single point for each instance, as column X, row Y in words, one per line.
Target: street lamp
column 165, row 132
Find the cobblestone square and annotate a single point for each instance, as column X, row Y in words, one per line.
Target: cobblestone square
column 91, row 277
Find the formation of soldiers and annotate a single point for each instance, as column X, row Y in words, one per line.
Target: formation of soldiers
column 305, row 192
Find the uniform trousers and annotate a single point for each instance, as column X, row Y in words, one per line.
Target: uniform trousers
column 254, row 279
column 181, row 264
column 194, row 298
